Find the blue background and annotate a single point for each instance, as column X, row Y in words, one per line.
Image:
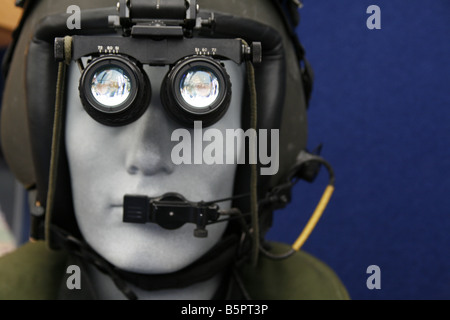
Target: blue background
column 381, row 108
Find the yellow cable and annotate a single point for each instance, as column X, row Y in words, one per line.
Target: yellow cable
column 314, row 218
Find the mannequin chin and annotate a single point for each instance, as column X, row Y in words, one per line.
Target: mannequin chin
column 108, row 162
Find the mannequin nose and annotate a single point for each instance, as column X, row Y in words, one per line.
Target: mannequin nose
column 149, row 148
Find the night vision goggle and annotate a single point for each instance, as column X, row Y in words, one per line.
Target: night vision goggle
column 114, row 88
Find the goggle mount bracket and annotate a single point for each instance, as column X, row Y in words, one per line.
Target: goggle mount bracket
column 172, row 18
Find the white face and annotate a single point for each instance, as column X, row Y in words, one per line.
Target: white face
column 108, row 162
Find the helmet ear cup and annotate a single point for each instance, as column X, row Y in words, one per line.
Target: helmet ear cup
column 175, row 97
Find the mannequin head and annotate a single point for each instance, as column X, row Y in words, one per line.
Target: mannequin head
column 108, row 162
column 99, row 163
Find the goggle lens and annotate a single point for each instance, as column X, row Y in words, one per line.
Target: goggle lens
column 111, row 86
column 199, row 87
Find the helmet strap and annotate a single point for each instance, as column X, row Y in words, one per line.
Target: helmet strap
column 218, row 259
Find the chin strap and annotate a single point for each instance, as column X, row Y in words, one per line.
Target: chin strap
column 218, row 259
column 83, row 251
